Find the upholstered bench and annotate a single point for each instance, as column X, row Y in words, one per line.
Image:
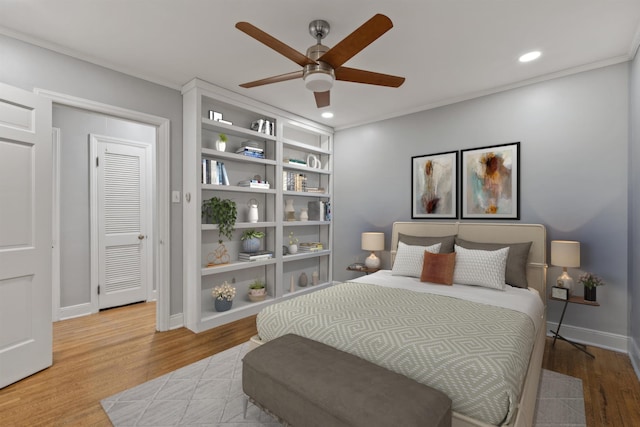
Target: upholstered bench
column 305, row 383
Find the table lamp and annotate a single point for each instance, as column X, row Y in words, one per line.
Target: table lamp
column 372, row 242
column 565, row 253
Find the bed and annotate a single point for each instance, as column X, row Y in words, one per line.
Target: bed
column 483, row 347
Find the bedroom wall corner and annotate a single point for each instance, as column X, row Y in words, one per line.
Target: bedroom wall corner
column 574, row 135
column 634, row 213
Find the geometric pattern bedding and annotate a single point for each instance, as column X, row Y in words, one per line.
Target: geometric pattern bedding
column 475, row 353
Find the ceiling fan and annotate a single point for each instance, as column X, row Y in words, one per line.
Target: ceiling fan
column 323, row 65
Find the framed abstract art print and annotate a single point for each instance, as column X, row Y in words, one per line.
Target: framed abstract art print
column 490, row 182
column 434, row 190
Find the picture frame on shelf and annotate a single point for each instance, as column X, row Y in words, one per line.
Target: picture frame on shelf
column 434, row 186
column 490, row 182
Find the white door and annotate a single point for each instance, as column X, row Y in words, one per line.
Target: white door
column 25, row 234
column 122, row 263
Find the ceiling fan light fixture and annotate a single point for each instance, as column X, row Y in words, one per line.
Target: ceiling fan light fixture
column 318, row 82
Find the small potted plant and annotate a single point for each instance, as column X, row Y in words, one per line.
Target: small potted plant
column 257, row 290
column 223, row 296
column 251, row 240
column 222, row 212
column 221, row 142
column 293, row 243
column 590, row 282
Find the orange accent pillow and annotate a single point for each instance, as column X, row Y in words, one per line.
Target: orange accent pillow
column 438, row 268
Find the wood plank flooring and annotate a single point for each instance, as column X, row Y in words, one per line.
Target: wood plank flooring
column 100, row 355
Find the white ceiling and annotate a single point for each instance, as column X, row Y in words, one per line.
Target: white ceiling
column 448, row 50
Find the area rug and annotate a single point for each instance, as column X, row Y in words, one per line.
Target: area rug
column 209, row 393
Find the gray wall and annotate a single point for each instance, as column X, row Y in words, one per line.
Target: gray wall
column 574, row 174
column 634, row 216
column 75, row 256
column 28, row 67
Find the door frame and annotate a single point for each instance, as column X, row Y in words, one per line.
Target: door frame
column 150, row 177
column 161, row 201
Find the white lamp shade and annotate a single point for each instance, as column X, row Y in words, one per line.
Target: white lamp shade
column 318, row 82
column 372, row 241
column 565, row 253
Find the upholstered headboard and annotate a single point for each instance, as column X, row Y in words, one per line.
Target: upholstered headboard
column 487, row 233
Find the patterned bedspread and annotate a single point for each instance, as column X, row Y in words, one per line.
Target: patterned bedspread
column 475, row 353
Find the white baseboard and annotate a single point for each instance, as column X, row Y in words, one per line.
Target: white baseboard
column 634, row 355
column 607, row 340
column 176, row 321
column 75, row 311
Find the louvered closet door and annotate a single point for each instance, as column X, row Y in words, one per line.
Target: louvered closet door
column 122, row 229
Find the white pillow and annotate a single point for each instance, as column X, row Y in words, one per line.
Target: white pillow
column 480, row 268
column 409, row 259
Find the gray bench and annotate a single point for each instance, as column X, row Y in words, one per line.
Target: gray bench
column 305, row 383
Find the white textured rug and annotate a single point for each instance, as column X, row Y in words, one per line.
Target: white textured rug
column 209, row 393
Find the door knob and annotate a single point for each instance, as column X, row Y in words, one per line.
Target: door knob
column 140, row 236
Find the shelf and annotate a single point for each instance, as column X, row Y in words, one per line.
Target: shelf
column 236, row 265
column 235, row 130
column 209, row 152
column 306, row 194
column 241, row 225
column 303, row 223
column 303, row 146
column 306, row 289
column 303, row 168
column 238, row 189
column 306, row 255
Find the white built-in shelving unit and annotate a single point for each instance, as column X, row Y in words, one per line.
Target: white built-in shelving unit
column 296, row 138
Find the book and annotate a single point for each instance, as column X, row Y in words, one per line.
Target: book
column 255, row 256
column 310, row 246
column 223, row 174
column 253, row 183
column 210, row 172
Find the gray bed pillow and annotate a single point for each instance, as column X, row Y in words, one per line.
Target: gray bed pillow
column 516, row 272
column 446, row 242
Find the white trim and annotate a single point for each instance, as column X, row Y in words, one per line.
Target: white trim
column 491, row 91
column 162, row 262
column 607, row 340
column 75, row 311
column 55, row 226
column 176, row 321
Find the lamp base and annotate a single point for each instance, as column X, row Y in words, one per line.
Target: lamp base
column 565, row 281
column 372, row 261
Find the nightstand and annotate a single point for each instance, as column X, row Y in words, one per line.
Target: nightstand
column 365, row 270
column 556, row 334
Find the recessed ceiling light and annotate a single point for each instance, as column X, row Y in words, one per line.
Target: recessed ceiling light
column 327, row 114
column 530, row 56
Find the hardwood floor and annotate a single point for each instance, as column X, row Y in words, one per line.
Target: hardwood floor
column 100, row 355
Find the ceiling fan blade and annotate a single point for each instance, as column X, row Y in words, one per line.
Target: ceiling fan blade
column 362, row 37
column 274, row 44
column 273, row 79
column 322, row 99
column 368, row 77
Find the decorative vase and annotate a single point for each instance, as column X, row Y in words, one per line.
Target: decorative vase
column 289, row 210
column 258, row 292
column 304, row 215
column 221, row 145
column 253, row 211
column 590, row 294
column 303, row 280
column 315, row 278
column 222, row 304
column 292, row 285
column 251, row 245
column 293, row 249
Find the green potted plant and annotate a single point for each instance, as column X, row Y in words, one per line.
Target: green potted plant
column 257, row 290
column 221, row 142
column 251, row 240
column 590, row 282
column 222, row 212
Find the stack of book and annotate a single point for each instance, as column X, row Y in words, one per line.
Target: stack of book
column 254, row 183
column 292, row 181
column 315, row 190
column 310, row 246
column 214, row 172
column 297, row 162
column 255, row 256
column 251, row 151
